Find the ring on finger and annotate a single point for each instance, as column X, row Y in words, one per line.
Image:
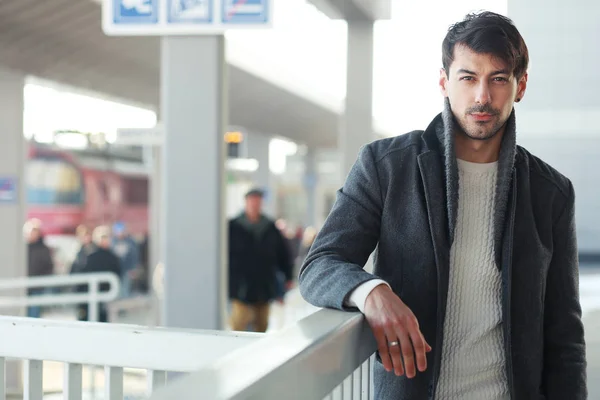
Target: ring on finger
column 394, row 343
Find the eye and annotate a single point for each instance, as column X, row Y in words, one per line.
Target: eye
column 500, row 79
column 465, row 78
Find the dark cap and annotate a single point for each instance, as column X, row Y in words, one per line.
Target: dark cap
column 255, row 192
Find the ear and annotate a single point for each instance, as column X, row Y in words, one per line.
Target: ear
column 443, row 82
column 521, row 87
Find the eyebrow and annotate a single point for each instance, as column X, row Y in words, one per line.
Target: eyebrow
column 466, row 71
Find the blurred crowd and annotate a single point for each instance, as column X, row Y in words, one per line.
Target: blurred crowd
column 102, row 249
column 265, row 256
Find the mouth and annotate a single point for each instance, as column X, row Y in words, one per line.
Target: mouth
column 481, row 117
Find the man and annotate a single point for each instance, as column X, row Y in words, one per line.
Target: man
column 476, row 274
column 39, row 260
column 87, row 247
column 257, row 250
column 102, row 259
column 126, row 248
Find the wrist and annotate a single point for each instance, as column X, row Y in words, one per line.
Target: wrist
column 376, row 293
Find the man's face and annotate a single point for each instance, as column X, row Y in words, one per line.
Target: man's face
column 253, row 205
column 34, row 235
column 481, row 90
column 86, row 238
column 104, row 242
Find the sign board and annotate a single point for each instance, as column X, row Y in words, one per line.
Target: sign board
column 8, row 190
column 140, row 136
column 183, row 17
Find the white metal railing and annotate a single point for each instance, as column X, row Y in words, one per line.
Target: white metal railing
column 93, row 297
column 327, row 355
column 111, row 346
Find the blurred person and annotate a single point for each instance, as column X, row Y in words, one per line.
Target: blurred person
column 475, row 288
column 39, row 260
column 141, row 282
column 257, row 250
column 84, row 235
column 102, row 259
column 126, row 248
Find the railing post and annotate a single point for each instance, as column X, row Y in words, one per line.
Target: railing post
column 113, row 383
column 93, row 303
column 337, row 393
column 33, row 385
column 347, row 387
column 357, row 384
column 73, row 382
column 93, row 317
column 155, row 380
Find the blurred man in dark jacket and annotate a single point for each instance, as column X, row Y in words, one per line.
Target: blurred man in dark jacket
column 101, row 260
column 257, row 250
column 87, row 247
column 39, row 260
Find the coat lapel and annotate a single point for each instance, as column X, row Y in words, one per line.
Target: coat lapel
column 430, row 166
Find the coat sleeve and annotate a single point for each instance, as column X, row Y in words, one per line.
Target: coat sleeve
column 564, row 373
column 334, row 265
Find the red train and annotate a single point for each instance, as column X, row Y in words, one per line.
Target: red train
column 68, row 188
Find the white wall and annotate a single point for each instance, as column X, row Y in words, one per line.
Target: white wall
column 558, row 118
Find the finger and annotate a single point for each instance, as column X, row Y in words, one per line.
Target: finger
column 407, row 353
column 415, row 323
column 419, row 345
column 382, row 346
column 394, row 352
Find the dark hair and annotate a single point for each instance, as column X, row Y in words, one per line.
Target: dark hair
column 488, row 33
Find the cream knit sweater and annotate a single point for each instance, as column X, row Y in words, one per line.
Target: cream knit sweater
column 473, row 364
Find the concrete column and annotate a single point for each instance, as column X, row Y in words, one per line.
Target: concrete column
column 358, row 117
column 193, row 105
column 258, row 148
column 357, row 122
column 310, row 184
column 152, row 160
column 12, row 171
column 13, row 202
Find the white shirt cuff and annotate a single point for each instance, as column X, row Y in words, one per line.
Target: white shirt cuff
column 358, row 297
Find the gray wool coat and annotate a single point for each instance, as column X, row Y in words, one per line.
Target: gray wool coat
column 401, row 200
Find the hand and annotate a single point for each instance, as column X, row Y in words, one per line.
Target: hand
column 392, row 321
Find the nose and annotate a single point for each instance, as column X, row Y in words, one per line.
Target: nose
column 483, row 95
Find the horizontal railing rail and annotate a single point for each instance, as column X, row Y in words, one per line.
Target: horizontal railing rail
column 328, row 354
column 92, row 296
column 112, row 346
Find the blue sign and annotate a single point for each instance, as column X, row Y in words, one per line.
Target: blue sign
column 135, row 11
column 183, row 17
column 245, row 11
column 8, row 190
column 190, row 11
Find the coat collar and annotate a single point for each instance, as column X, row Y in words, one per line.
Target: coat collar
column 439, row 137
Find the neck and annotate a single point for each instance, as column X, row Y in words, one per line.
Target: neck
column 253, row 217
column 478, row 151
